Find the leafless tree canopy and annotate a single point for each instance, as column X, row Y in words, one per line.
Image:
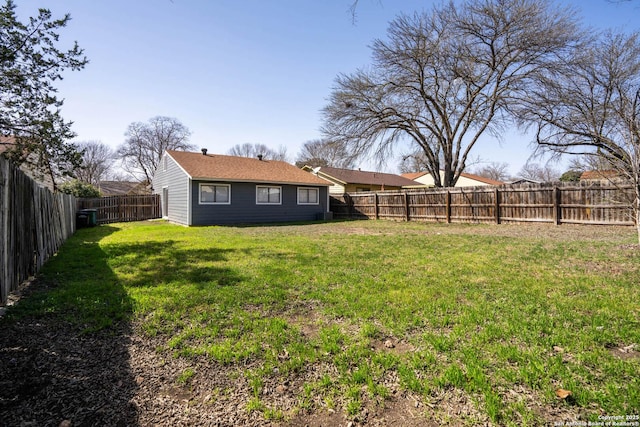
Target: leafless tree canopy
column 322, row 152
column 590, row 105
column 588, row 163
column 415, row 161
column 538, row 172
column 444, row 78
column 254, row 150
column 142, row 150
column 97, row 159
column 498, row 171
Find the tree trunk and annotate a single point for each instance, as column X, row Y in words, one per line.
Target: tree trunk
column 637, row 212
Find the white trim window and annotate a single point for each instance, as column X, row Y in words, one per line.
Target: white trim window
column 268, row 195
column 214, row 194
column 308, row 196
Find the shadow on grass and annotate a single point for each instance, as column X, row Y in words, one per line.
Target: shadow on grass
column 153, row 263
column 64, row 347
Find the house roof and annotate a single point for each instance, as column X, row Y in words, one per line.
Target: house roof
column 416, row 175
column 525, row 181
column 242, row 169
column 481, row 179
column 119, row 188
column 598, row 175
column 349, row 176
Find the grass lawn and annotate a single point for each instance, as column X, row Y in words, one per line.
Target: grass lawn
column 475, row 323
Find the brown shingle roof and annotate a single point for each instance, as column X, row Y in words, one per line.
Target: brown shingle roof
column 349, row 176
column 414, row 175
column 232, row 168
column 599, row 175
column 481, row 179
column 120, row 188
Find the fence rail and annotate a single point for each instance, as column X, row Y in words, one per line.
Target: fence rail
column 553, row 203
column 34, row 223
column 123, row 208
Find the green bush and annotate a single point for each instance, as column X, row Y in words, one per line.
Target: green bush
column 79, row 189
column 571, row 176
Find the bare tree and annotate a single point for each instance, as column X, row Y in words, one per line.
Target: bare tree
column 588, row 163
column 142, row 150
column 538, row 172
column 254, row 150
column 591, row 107
column 495, row 170
column 443, row 79
column 323, row 152
column 97, row 159
column 415, row 161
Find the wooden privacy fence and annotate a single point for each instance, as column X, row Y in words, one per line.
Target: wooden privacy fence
column 553, row 203
column 34, row 223
column 123, row 208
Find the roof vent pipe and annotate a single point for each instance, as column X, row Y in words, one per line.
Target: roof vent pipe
column 260, row 157
column 204, row 151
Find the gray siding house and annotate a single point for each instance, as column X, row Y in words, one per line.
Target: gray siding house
column 211, row 189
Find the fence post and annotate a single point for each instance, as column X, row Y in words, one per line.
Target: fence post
column 375, row 204
column 556, row 206
column 406, row 206
column 448, row 206
column 497, row 205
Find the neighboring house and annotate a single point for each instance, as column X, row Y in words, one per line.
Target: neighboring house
column 521, row 181
column 355, row 181
column 465, row 179
column 602, row 177
column 123, row 188
column 209, row 189
column 29, row 166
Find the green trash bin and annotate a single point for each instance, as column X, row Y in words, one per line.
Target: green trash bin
column 86, row 218
column 92, row 217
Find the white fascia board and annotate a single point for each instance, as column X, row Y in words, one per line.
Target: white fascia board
column 306, row 184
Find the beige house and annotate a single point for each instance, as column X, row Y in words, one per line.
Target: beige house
column 465, row 180
column 356, row 181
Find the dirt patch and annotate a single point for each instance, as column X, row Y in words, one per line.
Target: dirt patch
column 307, row 318
column 450, row 406
column 52, row 373
column 402, row 411
column 625, row 352
column 323, row 418
column 309, row 330
column 392, row 345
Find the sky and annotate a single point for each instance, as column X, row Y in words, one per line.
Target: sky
column 242, row 71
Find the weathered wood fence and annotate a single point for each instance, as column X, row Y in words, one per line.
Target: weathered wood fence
column 552, row 203
column 34, row 223
column 123, row 208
